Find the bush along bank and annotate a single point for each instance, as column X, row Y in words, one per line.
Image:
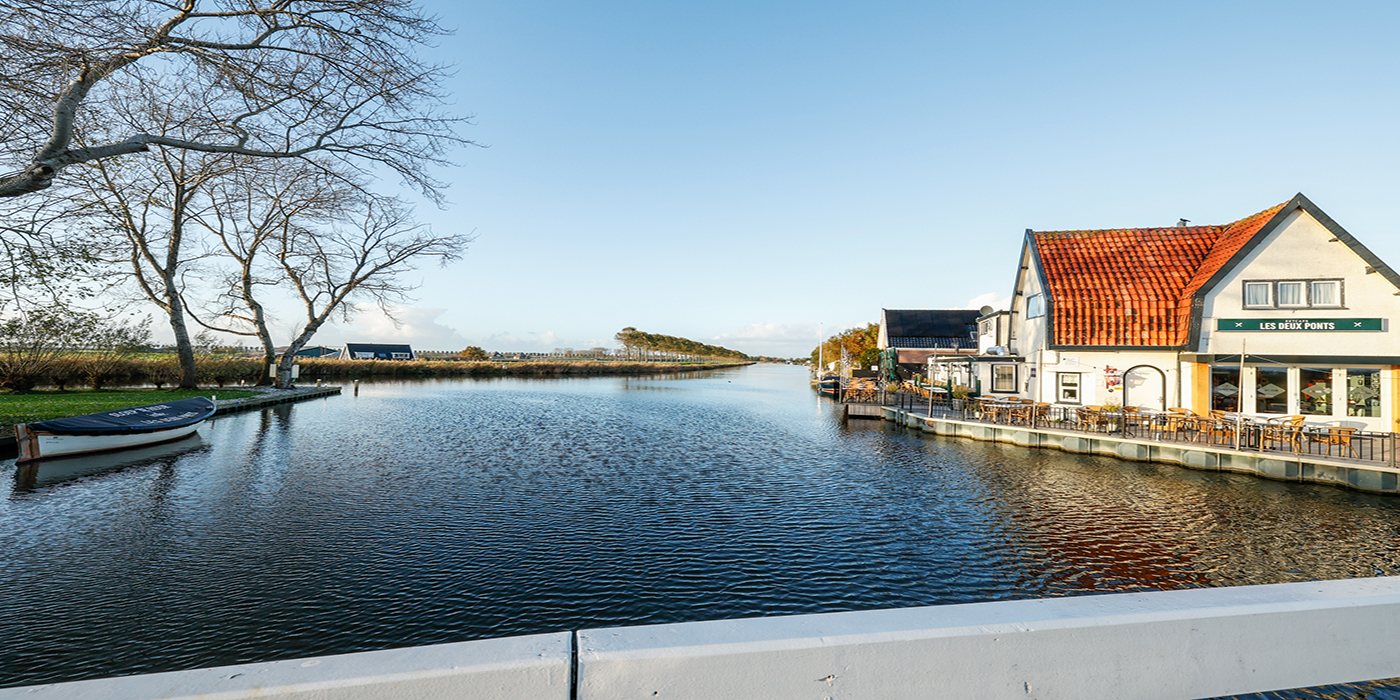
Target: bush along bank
column 98, row 371
column 356, row 369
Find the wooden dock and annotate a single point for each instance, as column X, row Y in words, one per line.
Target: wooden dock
column 272, row 398
column 864, row 410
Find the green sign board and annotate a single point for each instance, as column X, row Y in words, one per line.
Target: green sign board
column 1300, row 325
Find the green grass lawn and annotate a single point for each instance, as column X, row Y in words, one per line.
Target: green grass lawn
column 47, row 405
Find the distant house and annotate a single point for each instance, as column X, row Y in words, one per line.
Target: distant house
column 376, row 351
column 312, row 351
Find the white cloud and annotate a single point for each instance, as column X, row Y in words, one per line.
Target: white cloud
column 774, row 339
column 417, row 325
column 992, row 299
column 506, row 341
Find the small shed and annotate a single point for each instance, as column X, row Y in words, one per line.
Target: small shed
column 376, row 351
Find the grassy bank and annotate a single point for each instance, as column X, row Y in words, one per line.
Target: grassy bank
column 354, row 369
column 47, row 405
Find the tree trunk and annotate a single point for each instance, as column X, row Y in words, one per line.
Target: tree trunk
column 184, row 348
column 284, row 365
column 265, row 377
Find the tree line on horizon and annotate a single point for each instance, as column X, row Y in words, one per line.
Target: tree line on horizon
column 641, row 342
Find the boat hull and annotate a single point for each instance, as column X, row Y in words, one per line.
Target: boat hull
column 35, row 445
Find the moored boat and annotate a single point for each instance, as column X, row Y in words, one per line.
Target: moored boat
column 112, row 430
column 829, row 385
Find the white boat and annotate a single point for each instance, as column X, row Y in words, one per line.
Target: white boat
column 58, row 471
column 112, row 430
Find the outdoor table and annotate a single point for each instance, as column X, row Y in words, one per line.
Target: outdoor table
column 1158, row 422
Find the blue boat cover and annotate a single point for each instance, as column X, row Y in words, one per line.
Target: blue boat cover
column 140, row 419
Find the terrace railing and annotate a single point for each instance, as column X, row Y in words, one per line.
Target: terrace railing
column 1228, row 432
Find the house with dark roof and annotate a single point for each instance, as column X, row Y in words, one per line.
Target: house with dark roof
column 376, row 351
column 1282, row 312
column 909, row 338
column 309, row 351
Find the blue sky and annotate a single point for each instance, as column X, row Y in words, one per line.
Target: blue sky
column 740, row 172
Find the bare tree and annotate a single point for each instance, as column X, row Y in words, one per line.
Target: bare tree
column 146, row 210
column 320, row 80
column 257, row 205
column 356, row 262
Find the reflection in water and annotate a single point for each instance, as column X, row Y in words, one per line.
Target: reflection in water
column 445, row 510
column 51, row 472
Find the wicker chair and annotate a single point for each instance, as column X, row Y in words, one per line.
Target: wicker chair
column 1331, row 437
column 1219, row 429
column 1287, row 429
column 1092, row 418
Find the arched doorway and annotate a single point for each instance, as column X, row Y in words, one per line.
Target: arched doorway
column 1145, row 386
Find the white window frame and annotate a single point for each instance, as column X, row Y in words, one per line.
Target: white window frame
column 1035, row 306
column 1268, row 291
column 401, row 355
column 1077, row 386
column 364, row 355
column 1337, row 294
column 1302, row 302
column 1011, row 385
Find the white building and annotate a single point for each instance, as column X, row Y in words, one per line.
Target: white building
column 1159, row 317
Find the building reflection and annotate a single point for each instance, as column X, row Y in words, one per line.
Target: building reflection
column 1101, row 524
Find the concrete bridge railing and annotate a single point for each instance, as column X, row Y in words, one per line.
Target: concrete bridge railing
column 1173, row 644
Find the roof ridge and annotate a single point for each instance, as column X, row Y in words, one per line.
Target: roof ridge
column 1145, row 229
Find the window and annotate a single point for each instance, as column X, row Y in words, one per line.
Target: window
column 1258, row 294
column 1224, row 388
column 1364, row 392
column 1315, row 394
column 401, row 356
column 364, row 356
column 1292, row 294
column 1326, row 293
column 1271, row 390
column 1003, row 378
column 1067, row 387
column 1035, row 306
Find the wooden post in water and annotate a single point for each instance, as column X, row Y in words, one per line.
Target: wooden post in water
column 357, row 387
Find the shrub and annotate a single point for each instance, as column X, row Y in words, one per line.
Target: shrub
column 63, row 370
column 223, row 369
column 159, row 371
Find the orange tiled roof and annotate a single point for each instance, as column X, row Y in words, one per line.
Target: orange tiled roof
column 1134, row 286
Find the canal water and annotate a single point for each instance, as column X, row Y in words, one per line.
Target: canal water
column 432, row 511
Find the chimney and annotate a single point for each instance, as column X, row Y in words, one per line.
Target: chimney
column 1183, row 223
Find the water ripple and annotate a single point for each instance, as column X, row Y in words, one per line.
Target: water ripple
column 436, row 511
